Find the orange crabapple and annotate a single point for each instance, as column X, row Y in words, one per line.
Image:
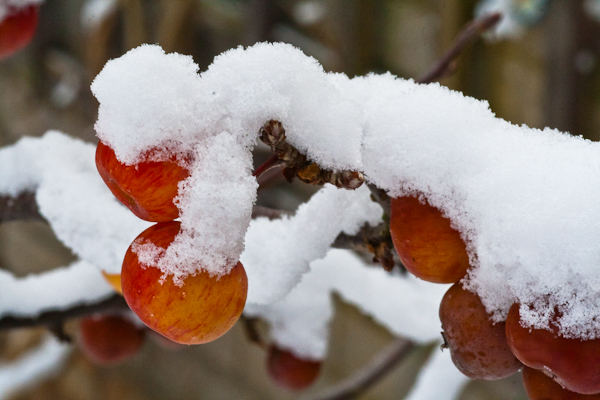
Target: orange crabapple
column 425, row 241
column 200, row 310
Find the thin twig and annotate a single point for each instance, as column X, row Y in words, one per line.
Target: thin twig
column 381, row 197
column 376, row 369
column 272, row 162
column 56, row 317
column 20, row 207
column 469, row 34
column 250, row 325
column 271, row 213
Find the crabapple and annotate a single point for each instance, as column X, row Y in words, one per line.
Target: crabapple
column 110, row 339
column 573, row 363
column 113, row 280
column 290, row 371
column 17, row 29
column 425, row 241
column 477, row 345
column 539, row 386
column 147, row 188
column 200, row 310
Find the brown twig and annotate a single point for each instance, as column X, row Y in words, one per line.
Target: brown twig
column 271, row 213
column 297, row 165
column 54, row 318
column 252, row 332
column 468, row 35
column 376, row 369
column 21, row 207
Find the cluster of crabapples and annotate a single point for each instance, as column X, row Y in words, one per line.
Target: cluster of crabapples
column 17, row 29
column 202, row 307
column 554, row 367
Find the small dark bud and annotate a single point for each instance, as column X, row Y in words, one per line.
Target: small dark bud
column 272, row 133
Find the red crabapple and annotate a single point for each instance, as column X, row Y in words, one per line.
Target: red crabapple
column 110, row 339
column 477, row 345
column 17, row 29
column 290, row 371
column 539, row 386
column 573, row 363
column 201, row 310
column 147, row 188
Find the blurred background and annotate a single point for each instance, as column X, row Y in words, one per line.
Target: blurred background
column 542, row 71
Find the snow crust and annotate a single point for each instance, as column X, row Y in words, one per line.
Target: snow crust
column 8, row 7
column 524, row 200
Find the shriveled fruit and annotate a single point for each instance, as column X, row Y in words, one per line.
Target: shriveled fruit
column 541, row 387
column 201, row 310
column 17, row 29
column 426, row 243
column 290, row 371
column 573, row 363
column 147, row 188
column 110, row 339
column 477, row 345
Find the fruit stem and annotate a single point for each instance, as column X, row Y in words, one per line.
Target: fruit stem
column 272, row 162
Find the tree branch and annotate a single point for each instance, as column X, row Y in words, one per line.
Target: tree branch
column 21, row 207
column 471, row 32
column 53, row 318
column 376, row 369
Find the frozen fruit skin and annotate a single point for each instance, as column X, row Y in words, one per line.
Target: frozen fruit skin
column 426, row 243
column 201, row 310
column 541, row 387
column 147, row 188
column 110, row 339
column 574, row 363
column 477, row 345
column 17, row 29
column 290, row 371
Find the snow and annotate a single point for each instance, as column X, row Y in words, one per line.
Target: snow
column 41, row 363
column 438, row 379
column 508, row 27
column 523, row 199
column 405, row 305
column 278, row 252
column 71, row 196
column 58, row 289
column 94, row 12
column 8, row 7
column 517, row 16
